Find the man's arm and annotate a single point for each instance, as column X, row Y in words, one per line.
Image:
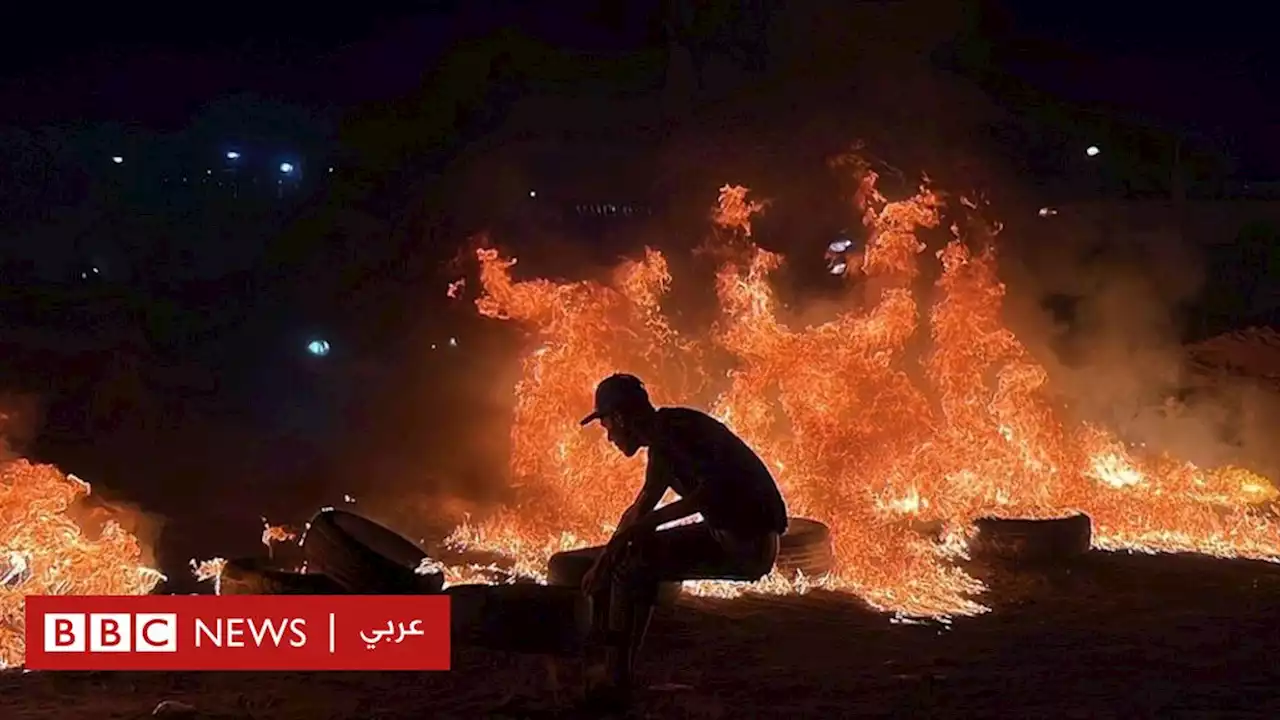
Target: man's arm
column 678, row 510
column 656, row 481
column 657, row 478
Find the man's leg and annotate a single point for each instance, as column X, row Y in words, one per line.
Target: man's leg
column 666, row 555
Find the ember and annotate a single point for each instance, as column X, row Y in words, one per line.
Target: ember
column 862, row 435
column 44, row 552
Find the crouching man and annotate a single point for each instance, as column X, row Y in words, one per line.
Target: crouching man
column 716, row 475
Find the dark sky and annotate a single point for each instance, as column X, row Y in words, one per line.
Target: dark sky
column 1207, row 68
column 157, row 66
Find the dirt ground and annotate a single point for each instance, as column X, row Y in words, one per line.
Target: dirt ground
column 1117, row 636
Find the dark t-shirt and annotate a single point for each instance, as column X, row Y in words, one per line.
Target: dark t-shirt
column 693, row 451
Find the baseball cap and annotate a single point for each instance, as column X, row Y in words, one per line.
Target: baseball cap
column 618, row 392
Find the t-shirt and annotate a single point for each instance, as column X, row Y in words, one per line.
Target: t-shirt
column 692, row 451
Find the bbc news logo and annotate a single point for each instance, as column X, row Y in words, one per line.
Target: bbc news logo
column 110, row 632
column 245, row 632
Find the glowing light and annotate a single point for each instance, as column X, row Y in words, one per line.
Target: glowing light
column 840, row 245
column 319, row 348
column 867, row 436
column 533, row 193
column 233, row 155
column 117, row 159
column 1092, row 151
column 453, row 342
column 839, row 268
column 1048, row 211
column 286, row 168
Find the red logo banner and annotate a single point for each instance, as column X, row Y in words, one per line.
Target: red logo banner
column 238, row 632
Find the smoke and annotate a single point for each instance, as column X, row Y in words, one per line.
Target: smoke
column 21, row 416
column 100, row 508
column 1098, row 303
column 21, row 419
column 1102, row 294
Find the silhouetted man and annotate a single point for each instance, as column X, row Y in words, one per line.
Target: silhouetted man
column 716, row 475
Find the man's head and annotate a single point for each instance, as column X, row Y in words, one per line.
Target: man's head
column 623, row 407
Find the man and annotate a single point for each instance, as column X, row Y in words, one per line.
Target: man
column 716, row 475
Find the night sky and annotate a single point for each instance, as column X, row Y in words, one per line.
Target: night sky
column 1188, row 68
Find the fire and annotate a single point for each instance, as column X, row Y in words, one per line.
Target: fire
column 888, row 415
column 44, row 552
column 456, row 288
column 275, row 534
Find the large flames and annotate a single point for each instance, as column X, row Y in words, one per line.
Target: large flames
column 878, row 421
column 43, row 550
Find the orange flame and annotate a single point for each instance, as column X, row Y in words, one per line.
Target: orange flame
column 44, row 552
column 865, row 432
column 275, row 534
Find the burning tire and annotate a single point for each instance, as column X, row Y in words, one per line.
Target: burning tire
column 805, row 548
column 566, row 569
column 366, row 558
column 1031, row 541
column 255, row 577
column 525, row 618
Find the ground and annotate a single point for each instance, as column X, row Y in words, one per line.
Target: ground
column 1123, row 636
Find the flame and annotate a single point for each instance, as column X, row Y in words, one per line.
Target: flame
column 456, row 287
column 885, row 416
column 275, row 534
column 44, row 552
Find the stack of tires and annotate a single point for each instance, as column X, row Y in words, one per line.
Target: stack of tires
column 344, row 553
column 349, row 554
column 366, row 558
column 1031, row 543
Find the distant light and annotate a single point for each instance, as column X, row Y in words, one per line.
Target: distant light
column 533, row 193
column 208, row 172
column 839, row 268
column 319, row 348
column 286, row 168
column 233, row 155
column 117, row 159
column 1092, row 151
column 95, row 271
column 453, row 342
column 1048, row 211
column 330, row 169
column 840, row 245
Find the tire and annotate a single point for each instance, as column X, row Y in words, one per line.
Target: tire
column 364, row 557
column 525, row 618
column 805, row 548
column 1031, row 541
column 566, row 569
column 250, row 576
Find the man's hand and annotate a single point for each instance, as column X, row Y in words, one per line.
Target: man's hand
column 596, row 577
column 591, row 581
